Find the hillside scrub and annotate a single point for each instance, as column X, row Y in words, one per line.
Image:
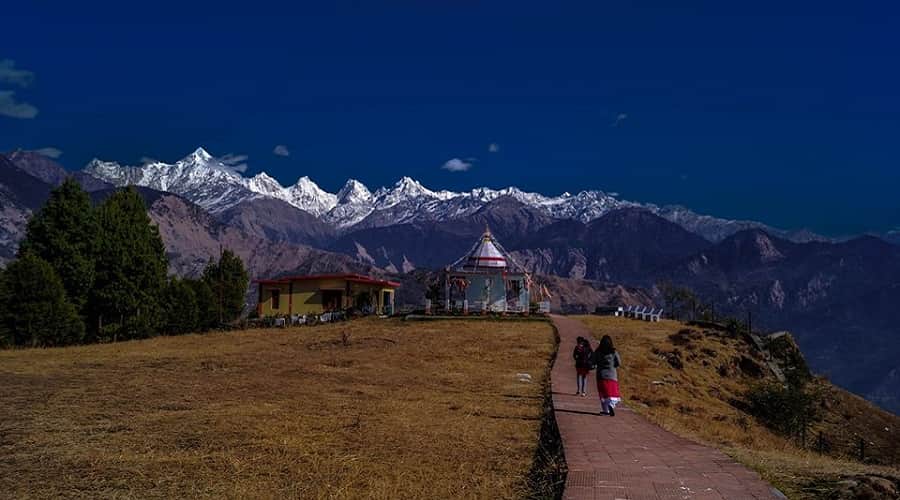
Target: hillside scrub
column 788, row 409
column 704, row 383
column 364, row 409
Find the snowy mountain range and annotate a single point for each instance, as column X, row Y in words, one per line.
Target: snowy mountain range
column 207, row 181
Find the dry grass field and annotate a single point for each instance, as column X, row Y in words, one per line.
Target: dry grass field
column 687, row 383
column 364, row 409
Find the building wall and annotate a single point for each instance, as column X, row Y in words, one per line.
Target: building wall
column 305, row 297
column 494, row 296
column 265, row 303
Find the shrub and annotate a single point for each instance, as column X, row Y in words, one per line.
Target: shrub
column 786, row 409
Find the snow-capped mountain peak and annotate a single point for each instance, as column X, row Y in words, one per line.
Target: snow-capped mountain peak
column 307, row 195
column 409, row 186
column 265, row 184
column 99, row 166
column 200, row 155
column 354, row 192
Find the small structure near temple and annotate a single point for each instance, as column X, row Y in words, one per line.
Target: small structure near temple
column 321, row 293
column 486, row 279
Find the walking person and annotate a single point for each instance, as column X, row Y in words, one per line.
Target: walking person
column 606, row 359
column 583, row 357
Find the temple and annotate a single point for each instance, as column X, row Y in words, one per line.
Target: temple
column 486, row 279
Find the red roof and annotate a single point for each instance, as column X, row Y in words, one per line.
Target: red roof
column 354, row 278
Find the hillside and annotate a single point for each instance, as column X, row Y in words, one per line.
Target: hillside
column 365, row 409
column 694, row 381
column 628, row 245
column 838, row 298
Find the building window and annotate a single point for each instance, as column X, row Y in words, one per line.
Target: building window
column 276, row 299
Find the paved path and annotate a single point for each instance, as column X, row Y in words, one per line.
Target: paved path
column 626, row 456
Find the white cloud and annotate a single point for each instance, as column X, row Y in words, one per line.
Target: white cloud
column 457, row 165
column 493, row 147
column 12, row 108
column 281, row 150
column 619, row 119
column 234, row 162
column 9, row 74
column 48, row 152
column 146, row 160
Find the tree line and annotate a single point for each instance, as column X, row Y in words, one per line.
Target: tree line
column 87, row 273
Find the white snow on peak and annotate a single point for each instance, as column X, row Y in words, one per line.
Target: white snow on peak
column 203, row 179
column 307, row 195
column 201, row 155
column 263, row 183
column 354, row 192
column 411, row 187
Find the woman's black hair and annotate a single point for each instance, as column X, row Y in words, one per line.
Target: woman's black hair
column 606, row 345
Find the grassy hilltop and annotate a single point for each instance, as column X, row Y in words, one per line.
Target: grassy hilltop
column 364, row 409
column 391, row 409
column 694, row 381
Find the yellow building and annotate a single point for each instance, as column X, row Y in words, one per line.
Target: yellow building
column 318, row 293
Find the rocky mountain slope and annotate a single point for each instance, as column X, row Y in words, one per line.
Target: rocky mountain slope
column 20, row 195
column 434, row 244
column 192, row 236
column 276, row 220
column 626, row 246
column 838, row 298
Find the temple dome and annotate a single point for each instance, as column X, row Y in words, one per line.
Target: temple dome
column 485, row 255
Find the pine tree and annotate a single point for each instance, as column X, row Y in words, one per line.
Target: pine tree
column 126, row 301
column 181, row 308
column 228, row 280
column 33, row 307
column 207, row 313
column 63, row 233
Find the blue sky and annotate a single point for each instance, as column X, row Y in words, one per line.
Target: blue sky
column 785, row 114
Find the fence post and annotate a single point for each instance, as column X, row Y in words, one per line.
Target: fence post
column 862, row 450
column 820, row 443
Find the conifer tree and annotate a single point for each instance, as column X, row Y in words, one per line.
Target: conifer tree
column 207, row 313
column 126, row 301
column 64, row 233
column 181, row 307
column 228, row 280
column 33, row 307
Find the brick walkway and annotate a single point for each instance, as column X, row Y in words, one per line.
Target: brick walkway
column 626, row 456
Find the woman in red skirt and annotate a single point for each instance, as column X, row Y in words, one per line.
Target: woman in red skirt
column 607, row 360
